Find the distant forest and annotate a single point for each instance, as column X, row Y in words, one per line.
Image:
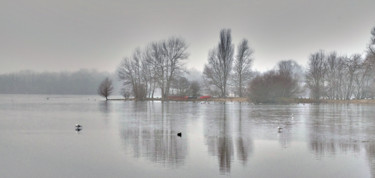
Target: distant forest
column 28, row 82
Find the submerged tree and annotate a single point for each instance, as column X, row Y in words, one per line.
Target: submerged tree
column 220, row 60
column 105, row 88
column 242, row 67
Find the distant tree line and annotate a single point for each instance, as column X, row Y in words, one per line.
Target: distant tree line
column 228, row 73
column 27, row 82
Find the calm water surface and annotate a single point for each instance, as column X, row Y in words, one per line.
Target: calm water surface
column 138, row 139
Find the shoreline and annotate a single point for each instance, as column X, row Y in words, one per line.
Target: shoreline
column 242, row 100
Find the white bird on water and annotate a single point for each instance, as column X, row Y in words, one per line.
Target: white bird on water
column 280, row 129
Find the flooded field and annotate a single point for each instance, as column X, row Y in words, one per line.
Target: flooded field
column 139, row 139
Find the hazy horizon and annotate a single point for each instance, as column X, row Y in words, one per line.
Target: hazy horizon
column 59, row 36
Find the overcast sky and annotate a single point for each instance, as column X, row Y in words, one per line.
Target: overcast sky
column 67, row 35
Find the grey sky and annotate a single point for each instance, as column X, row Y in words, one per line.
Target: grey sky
column 55, row 35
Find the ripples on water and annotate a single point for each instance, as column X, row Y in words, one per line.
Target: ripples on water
column 139, row 139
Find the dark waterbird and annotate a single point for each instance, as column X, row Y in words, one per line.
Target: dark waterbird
column 78, row 127
column 179, row 134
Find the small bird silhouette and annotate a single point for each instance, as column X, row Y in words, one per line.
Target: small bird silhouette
column 78, row 128
column 179, row 134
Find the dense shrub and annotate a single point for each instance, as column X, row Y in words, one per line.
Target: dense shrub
column 272, row 87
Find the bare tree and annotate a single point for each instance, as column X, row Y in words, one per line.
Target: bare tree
column 130, row 73
column 242, row 67
column 155, row 66
column 125, row 93
column 155, row 62
column 372, row 42
column 291, row 69
column 332, row 77
column 181, row 84
column 174, row 51
column 166, row 57
column 315, row 74
column 105, row 88
column 220, row 60
column 353, row 65
column 148, row 75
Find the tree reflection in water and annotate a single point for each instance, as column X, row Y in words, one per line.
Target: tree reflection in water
column 152, row 130
column 342, row 129
column 219, row 137
column 333, row 128
column 244, row 142
column 220, row 131
column 370, row 151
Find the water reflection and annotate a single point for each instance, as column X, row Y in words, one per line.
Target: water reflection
column 244, row 142
column 104, row 107
column 370, row 152
column 333, row 128
column 341, row 129
column 267, row 119
column 233, row 139
column 151, row 132
column 220, row 131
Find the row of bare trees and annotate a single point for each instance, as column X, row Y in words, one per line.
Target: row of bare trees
column 336, row 77
column 329, row 76
column 342, row 77
column 218, row 72
column 155, row 66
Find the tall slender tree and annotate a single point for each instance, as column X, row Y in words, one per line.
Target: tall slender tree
column 242, row 67
column 220, row 61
